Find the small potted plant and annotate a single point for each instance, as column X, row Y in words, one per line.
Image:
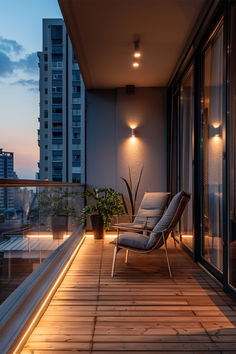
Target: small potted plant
column 55, row 203
column 106, row 203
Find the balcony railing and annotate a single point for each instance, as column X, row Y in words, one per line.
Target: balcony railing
column 40, row 231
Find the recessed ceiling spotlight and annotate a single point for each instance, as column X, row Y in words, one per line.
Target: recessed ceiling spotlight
column 135, row 64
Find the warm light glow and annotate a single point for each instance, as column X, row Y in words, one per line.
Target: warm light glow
column 42, row 307
column 216, row 125
column 106, row 236
column 137, row 54
column 45, row 235
column 135, row 64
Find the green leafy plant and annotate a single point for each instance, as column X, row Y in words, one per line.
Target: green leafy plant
column 56, row 201
column 129, row 186
column 107, row 203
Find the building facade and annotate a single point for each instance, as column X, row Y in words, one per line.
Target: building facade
column 7, row 171
column 62, row 107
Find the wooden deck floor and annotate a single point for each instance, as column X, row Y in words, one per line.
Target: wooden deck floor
column 140, row 310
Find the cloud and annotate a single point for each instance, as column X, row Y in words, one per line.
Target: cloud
column 9, row 49
column 6, row 65
column 27, row 83
column 28, row 64
column 9, row 46
column 32, row 85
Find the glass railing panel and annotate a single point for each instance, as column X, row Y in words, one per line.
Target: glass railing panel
column 34, row 221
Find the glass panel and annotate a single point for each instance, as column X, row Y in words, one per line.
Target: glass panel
column 232, row 238
column 186, row 154
column 34, row 221
column 174, row 175
column 212, row 143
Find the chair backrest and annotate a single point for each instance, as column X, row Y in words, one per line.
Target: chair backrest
column 169, row 220
column 152, row 205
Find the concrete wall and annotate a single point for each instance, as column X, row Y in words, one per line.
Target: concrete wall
column 110, row 149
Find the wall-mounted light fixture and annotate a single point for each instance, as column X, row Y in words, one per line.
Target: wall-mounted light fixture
column 132, row 133
column 136, row 55
column 215, row 131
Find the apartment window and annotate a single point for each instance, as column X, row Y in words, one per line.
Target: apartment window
column 46, row 67
column 46, row 146
column 57, row 41
column 57, row 155
column 76, row 133
column 57, row 125
column 45, row 113
column 56, row 89
column 45, row 79
column 76, row 118
column 57, row 110
column 56, row 32
column 46, row 169
column 75, row 75
column 76, row 178
column 57, row 100
column 57, row 179
column 46, row 158
column 45, row 101
column 45, row 125
column 57, row 65
column 56, row 76
column 57, row 134
column 75, row 124
column 46, row 91
column 76, row 89
column 75, row 112
column 76, row 100
column 45, row 136
column 45, row 57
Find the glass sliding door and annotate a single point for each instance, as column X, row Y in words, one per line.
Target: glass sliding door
column 212, row 150
column 186, row 154
column 232, row 223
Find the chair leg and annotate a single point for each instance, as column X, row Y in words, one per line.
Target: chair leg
column 114, row 261
column 167, row 258
column 126, row 256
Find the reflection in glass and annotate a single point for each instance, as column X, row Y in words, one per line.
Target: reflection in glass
column 212, row 143
column 232, row 225
column 34, row 221
column 186, row 155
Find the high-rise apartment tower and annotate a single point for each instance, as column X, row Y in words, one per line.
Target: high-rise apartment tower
column 7, row 171
column 62, row 107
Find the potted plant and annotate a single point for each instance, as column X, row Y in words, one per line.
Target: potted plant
column 106, row 203
column 54, row 202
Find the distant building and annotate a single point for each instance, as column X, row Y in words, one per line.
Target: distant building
column 7, row 171
column 62, row 107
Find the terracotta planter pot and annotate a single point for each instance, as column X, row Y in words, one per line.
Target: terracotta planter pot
column 98, row 226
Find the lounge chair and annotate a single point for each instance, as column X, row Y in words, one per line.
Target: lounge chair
column 132, row 241
column 150, row 211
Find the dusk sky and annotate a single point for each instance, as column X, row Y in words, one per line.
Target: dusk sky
column 20, row 40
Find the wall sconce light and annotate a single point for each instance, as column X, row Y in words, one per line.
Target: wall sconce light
column 132, row 134
column 137, row 53
column 215, row 131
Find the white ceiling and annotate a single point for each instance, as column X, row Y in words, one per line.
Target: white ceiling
column 103, row 31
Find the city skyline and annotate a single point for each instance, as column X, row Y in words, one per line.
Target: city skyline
column 20, row 39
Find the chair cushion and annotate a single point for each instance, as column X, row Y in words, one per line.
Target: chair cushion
column 169, row 219
column 133, row 240
column 153, row 205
